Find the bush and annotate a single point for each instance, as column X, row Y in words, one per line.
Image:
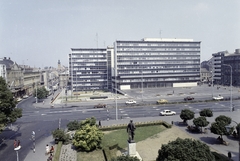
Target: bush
column 185, row 149
column 73, row 125
column 206, row 113
column 60, row 135
column 125, row 158
column 88, row 138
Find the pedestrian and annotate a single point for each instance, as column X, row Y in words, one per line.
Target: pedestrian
column 43, row 102
column 47, row 149
column 52, row 150
column 15, row 143
column 229, row 155
column 18, row 144
column 99, row 123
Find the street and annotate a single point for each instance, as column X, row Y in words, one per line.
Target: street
column 43, row 120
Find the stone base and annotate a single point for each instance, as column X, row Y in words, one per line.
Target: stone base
column 132, row 151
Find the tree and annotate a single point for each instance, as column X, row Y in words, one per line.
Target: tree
column 219, row 126
column 91, row 121
column 41, row 93
column 186, row 114
column 125, row 158
column 73, row 125
column 8, row 112
column 60, row 135
column 88, row 137
column 224, row 119
column 206, row 113
column 185, row 149
column 200, row 122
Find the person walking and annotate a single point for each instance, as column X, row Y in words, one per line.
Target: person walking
column 47, row 149
column 15, row 143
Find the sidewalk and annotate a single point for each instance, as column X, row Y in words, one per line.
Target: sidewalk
column 40, row 149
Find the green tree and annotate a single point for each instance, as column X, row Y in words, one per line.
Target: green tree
column 206, row 113
column 8, row 112
column 200, row 122
column 60, row 135
column 225, row 119
column 88, row 137
column 41, row 93
column 91, row 121
column 125, row 158
column 185, row 149
column 73, row 125
column 186, row 114
column 219, row 126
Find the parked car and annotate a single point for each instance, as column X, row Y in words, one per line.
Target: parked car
column 162, row 101
column 188, row 98
column 167, row 113
column 130, row 102
column 100, row 105
column 25, row 96
column 19, row 99
column 218, row 98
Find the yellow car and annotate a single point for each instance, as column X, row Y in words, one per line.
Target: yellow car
column 162, row 101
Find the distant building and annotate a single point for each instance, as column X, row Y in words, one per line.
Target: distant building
column 88, row 69
column 217, row 66
column 232, row 60
column 147, row 63
column 153, row 63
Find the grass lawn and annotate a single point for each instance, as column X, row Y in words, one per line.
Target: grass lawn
column 118, row 140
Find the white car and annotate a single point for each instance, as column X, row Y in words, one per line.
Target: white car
column 130, row 102
column 218, row 98
column 25, row 96
column 167, row 113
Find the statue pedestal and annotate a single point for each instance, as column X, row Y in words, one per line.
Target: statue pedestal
column 132, row 151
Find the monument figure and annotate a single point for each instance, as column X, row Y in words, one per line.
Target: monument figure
column 130, row 130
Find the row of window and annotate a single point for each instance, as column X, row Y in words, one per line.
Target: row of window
column 158, row 44
column 159, row 79
column 158, row 49
column 156, row 58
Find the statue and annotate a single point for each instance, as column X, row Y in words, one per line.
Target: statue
column 130, row 130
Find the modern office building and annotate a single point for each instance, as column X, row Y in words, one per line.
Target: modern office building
column 231, row 61
column 88, row 69
column 150, row 63
column 216, row 71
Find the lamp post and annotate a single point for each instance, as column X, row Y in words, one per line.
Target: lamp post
column 142, row 85
column 212, row 83
column 231, row 86
column 116, row 94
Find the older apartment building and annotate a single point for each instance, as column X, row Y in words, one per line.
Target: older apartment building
column 146, row 63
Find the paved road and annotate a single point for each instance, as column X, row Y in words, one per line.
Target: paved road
column 42, row 119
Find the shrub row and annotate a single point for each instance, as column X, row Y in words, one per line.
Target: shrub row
column 137, row 124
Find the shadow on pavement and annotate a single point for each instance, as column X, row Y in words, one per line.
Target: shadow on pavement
column 210, row 140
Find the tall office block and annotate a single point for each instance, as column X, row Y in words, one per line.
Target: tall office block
column 156, row 63
column 88, row 69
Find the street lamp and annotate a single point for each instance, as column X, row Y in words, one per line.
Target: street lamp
column 231, row 86
column 116, row 94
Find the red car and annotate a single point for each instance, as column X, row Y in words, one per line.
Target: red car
column 100, row 106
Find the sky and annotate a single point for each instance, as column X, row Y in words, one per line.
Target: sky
column 41, row 32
